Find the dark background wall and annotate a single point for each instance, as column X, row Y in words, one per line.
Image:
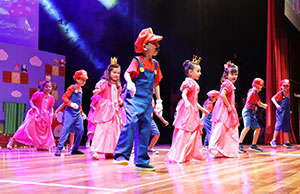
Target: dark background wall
column 216, row 30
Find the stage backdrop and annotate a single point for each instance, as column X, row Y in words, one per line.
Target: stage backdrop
column 21, row 70
column 19, row 22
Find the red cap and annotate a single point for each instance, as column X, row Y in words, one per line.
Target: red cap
column 146, row 36
column 80, row 74
column 213, row 93
column 258, row 82
column 285, row 82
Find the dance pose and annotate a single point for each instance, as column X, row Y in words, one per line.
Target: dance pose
column 224, row 140
column 187, row 136
column 73, row 114
column 142, row 76
column 282, row 102
column 36, row 128
column 248, row 113
column 107, row 116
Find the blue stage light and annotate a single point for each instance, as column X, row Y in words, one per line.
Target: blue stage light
column 108, row 3
column 70, row 31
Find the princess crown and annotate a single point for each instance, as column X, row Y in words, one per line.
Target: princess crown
column 195, row 60
column 113, row 61
column 48, row 78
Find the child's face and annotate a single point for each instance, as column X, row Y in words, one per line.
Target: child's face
column 81, row 81
column 47, row 88
column 232, row 77
column 195, row 73
column 115, row 74
column 213, row 99
column 151, row 49
column 258, row 88
column 285, row 88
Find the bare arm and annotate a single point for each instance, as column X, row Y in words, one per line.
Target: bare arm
column 162, row 119
column 225, row 100
column 184, row 97
column 157, row 92
column 275, row 103
column 202, row 109
column 262, row 105
column 59, row 108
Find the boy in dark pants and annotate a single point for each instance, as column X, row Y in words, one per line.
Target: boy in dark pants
column 73, row 114
column 142, row 76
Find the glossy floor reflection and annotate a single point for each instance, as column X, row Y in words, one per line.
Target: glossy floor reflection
column 29, row 171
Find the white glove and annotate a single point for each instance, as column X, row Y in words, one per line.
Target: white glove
column 83, row 116
column 131, row 87
column 159, row 107
column 74, row 105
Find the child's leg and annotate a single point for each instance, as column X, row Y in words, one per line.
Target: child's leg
column 243, row 134
column 286, row 137
column 255, row 136
column 275, row 135
column 68, row 122
column 79, row 130
column 71, row 139
column 155, row 133
column 89, row 140
column 153, row 141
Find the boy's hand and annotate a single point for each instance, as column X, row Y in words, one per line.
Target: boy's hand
column 83, row 116
column 131, row 86
column 74, row 105
column 166, row 123
column 159, row 107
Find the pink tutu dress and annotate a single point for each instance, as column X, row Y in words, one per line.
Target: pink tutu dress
column 91, row 117
column 107, row 118
column 225, row 134
column 187, row 136
column 36, row 128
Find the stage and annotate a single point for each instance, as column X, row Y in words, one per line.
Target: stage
column 276, row 170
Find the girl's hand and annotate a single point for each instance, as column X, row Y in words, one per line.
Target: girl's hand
column 229, row 109
column 36, row 110
column 187, row 104
column 278, row 107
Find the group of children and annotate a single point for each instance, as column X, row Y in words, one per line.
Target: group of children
column 114, row 131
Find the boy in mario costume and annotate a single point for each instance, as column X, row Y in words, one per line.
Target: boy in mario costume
column 73, row 114
column 282, row 102
column 248, row 113
column 142, row 76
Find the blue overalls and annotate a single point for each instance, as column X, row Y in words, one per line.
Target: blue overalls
column 283, row 115
column 138, row 117
column 207, row 126
column 72, row 120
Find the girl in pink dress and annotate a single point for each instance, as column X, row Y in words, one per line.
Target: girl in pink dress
column 36, row 128
column 224, row 140
column 107, row 116
column 187, row 136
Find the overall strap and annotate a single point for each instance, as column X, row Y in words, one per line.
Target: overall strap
column 141, row 67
